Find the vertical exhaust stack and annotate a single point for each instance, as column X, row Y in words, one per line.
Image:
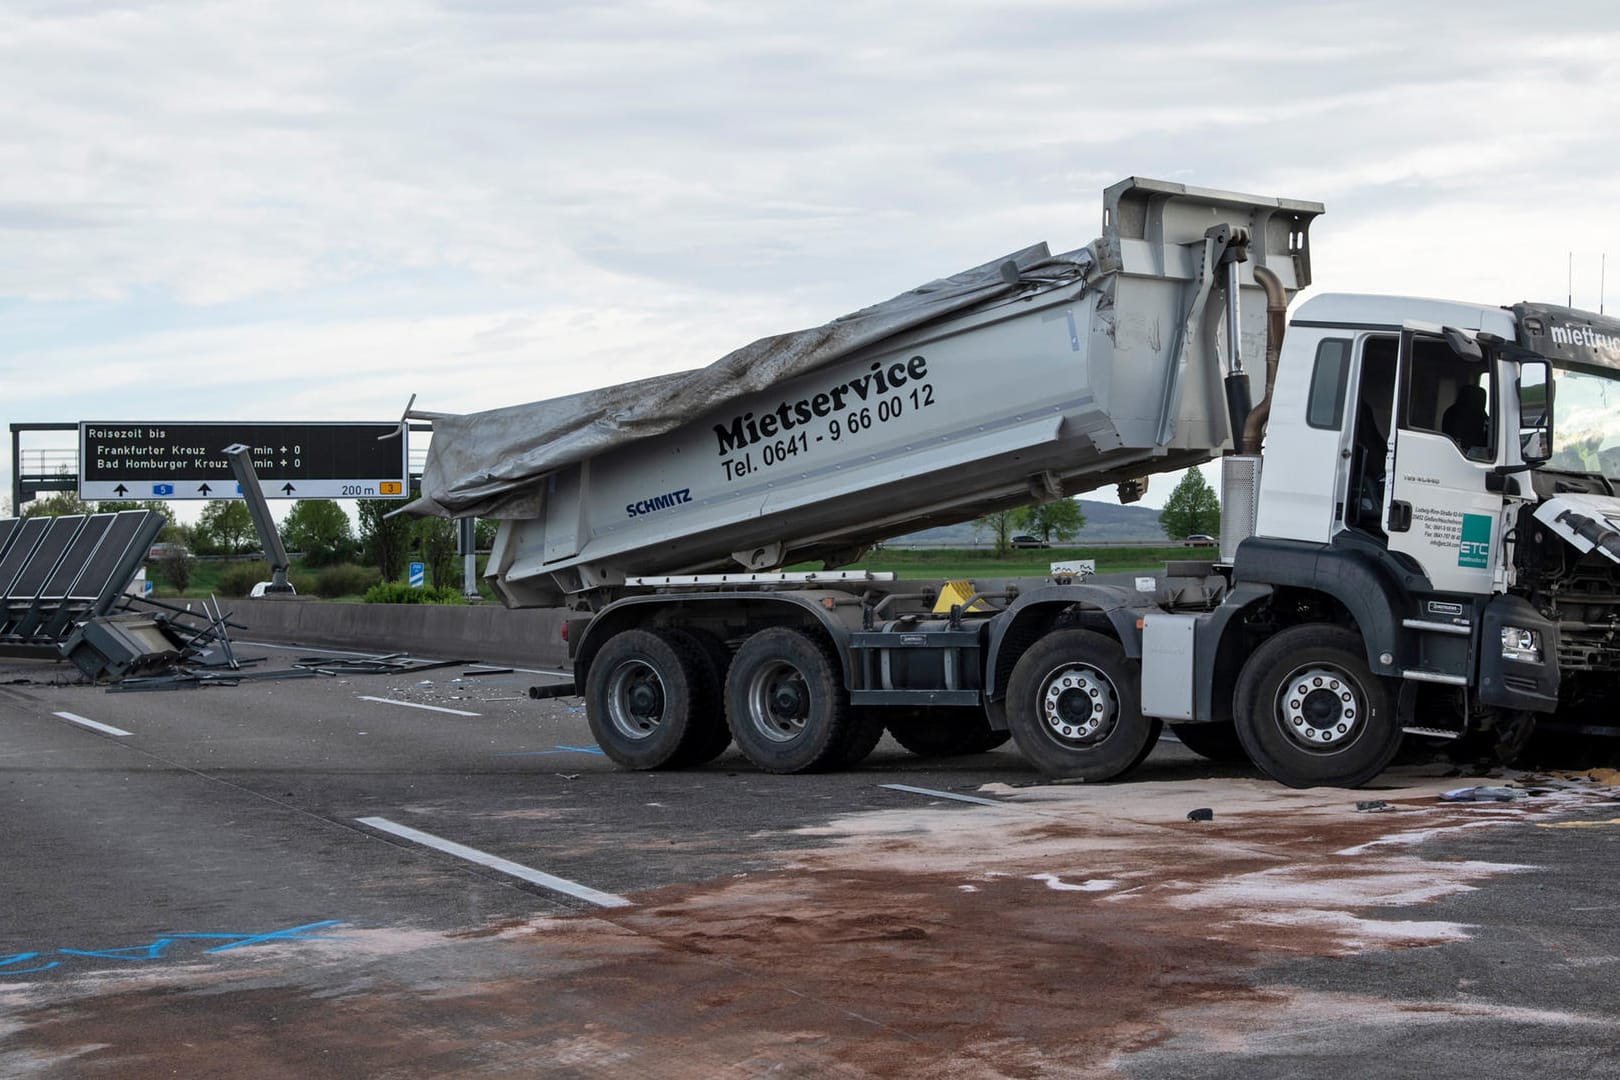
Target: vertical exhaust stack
column 1240, row 472
column 1254, row 428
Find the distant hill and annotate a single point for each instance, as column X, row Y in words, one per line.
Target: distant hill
column 1105, row 523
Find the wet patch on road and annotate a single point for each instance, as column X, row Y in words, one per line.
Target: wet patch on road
column 935, row 941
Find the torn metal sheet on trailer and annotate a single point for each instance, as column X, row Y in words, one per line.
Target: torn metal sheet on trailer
column 486, row 464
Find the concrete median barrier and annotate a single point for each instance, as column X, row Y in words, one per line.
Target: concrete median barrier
column 488, row 632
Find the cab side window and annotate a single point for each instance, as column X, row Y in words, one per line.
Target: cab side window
column 1452, row 397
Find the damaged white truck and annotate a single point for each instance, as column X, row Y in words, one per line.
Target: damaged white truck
column 1420, row 530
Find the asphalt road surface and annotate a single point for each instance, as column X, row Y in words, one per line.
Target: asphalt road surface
column 431, row 875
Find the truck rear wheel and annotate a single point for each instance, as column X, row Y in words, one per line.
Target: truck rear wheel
column 945, row 732
column 706, row 659
column 861, row 736
column 786, row 704
column 1311, row 713
column 1073, row 707
column 641, row 698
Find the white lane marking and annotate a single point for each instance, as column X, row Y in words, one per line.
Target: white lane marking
column 414, row 705
column 495, row 862
column 945, row 795
column 105, row 729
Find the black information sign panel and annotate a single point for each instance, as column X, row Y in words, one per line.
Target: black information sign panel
column 185, row 460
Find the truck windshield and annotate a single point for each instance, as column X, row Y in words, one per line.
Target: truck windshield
column 1586, row 429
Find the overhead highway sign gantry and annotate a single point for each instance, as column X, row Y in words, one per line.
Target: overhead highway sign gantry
column 186, row 460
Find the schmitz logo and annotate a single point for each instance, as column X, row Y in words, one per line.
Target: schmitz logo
column 1474, row 549
column 659, row 502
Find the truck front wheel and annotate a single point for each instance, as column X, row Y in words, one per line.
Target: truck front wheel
column 1311, row 713
column 786, row 704
column 642, row 699
column 1073, row 707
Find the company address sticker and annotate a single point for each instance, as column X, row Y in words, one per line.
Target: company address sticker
column 879, row 396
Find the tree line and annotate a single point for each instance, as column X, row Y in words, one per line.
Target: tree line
column 1193, row 509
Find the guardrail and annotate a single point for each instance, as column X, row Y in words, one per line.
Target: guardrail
column 528, row 636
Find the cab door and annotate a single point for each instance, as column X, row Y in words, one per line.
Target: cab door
column 1447, row 439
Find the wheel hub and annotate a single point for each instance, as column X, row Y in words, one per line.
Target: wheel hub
column 645, row 700
column 1320, row 706
column 787, row 700
column 1078, row 705
column 780, row 701
column 635, row 699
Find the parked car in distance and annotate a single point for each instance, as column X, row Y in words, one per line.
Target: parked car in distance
column 1029, row 542
column 159, row 551
column 1200, row 540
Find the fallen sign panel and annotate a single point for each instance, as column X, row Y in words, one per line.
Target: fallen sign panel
column 297, row 460
column 56, row 572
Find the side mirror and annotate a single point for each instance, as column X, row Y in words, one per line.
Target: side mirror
column 1535, row 411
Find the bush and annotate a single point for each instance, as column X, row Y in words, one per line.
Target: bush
column 396, row 592
column 345, row 579
column 240, row 578
column 174, row 567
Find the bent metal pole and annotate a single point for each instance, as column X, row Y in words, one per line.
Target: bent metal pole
column 241, row 459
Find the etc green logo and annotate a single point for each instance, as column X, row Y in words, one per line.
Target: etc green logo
column 1475, row 547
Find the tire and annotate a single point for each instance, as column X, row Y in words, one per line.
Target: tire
column 786, row 704
column 709, row 658
column 861, row 736
column 1340, row 732
column 713, row 648
column 1155, row 729
column 1217, row 742
column 642, row 697
column 1074, row 708
column 945, row 732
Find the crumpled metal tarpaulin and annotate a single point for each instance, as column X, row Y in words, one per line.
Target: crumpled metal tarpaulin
column 487, row 464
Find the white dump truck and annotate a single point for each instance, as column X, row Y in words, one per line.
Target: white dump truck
column 1419, row 524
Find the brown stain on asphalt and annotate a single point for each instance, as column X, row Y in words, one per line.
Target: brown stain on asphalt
column 935, row 953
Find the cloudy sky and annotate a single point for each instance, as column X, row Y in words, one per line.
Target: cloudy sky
column 292, row 210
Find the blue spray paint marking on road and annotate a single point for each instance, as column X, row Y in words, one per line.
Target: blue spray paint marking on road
column 556, row 749
column 155, row 948
column 134, row 952
column 295, row 933
column 24, row 957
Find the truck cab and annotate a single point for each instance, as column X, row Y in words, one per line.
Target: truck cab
column 1440, row 488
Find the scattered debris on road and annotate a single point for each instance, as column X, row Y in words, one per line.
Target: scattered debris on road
column 1482, row 794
